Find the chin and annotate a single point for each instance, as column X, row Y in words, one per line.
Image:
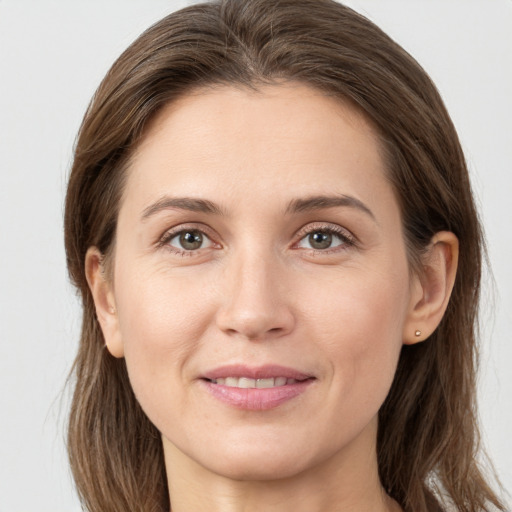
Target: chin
column 260, row 460
column 248, row 469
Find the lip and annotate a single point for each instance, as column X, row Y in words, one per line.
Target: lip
column 255, row 372
column 256, row 399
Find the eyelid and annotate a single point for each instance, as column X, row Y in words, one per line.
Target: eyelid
column 169, row 234
column 336, row 229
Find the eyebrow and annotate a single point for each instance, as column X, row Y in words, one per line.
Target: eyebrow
column 295, row 206
column 181, row 203
column 320, row 202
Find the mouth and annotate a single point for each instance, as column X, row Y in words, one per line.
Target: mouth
column 248, row 383
column 256, row 389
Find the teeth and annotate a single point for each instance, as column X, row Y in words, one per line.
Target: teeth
column 265, row 383
column 246, row 383
column 231, row 382
column 281, row 381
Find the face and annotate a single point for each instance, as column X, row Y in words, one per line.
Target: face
column 261, row 284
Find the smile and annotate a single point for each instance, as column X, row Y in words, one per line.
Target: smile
column 247, row 383
column 255, row 388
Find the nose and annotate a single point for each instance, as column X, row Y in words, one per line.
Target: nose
column 255, row 305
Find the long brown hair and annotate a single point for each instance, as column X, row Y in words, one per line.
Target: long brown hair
column 428, row 435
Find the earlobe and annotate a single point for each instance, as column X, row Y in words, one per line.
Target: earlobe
column 432, row 288
column 104, row 301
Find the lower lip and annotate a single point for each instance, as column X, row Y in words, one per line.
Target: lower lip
column 257, row 399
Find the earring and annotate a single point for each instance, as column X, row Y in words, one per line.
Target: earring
column 417, row 333
column 112, row 309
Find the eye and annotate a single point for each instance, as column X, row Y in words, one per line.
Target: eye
column 188, row 240
column 325, row 238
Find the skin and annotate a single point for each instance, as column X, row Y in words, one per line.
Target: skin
column 258, row 292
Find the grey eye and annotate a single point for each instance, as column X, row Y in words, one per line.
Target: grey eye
column 320, row 240
column 190, row 240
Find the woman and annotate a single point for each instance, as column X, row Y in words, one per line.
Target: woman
column 279, row 281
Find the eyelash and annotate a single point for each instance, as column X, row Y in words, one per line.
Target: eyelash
column 173, row 233
column 347, row 239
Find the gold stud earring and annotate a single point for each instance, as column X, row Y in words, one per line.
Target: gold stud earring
column 417, row 333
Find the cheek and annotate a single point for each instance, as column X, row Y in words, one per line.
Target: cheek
column 162, row 322
column 360, row 322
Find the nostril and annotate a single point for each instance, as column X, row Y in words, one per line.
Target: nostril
column 254, row 319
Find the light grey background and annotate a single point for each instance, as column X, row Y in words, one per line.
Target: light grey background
column 53, row 55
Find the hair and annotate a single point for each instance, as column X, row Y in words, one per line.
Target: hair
column 428, row 442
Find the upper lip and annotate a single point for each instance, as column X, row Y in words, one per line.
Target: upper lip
column 255, row 372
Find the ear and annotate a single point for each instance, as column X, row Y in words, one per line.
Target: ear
column 432, row 287
column 104, row 301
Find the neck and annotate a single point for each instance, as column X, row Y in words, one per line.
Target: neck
column 347, row 482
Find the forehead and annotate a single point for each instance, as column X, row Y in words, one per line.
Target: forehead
column 280, row 139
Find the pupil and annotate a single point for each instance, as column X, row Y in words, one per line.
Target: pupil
column 320, row 240
column 190, row 240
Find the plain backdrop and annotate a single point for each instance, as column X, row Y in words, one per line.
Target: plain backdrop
column 53, row 54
